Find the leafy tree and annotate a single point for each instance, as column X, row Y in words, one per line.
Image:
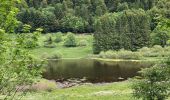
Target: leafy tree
column 122, row 6
column 17, row 66
column 122, row 30
column 26, row 28
column 8, row 11
column 154, row 84
column 58, row 37
column 161, row 33
column 70, row 40
column 59, row 12
column 73, row 23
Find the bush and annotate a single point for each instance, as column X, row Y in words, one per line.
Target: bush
column 26, row 28
column 156, row 51
column 73, row 23
column 55, row 56
column 30, row 44
column 58, row 37
column 168, row 42
column 154, row 84
column 124, row 54
column 108, row 54
column 49, row 43
column 83, row 43
column 70, row 40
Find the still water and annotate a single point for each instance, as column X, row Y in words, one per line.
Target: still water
column 93, row 70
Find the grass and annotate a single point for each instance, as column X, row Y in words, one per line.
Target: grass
column 110, row 91
column 145, row 54
column 67, row 52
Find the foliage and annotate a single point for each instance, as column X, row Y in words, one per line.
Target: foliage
column 122, row 54
column 26, row 28
column 56, row 55
column 161, row 33
column 58, row 37
column 32, row 39
column 145, row 52
column 108, row 55
column 17, row 66
column 122, row 30
column 70, row 41
column 154, row 84
column 73, row 23
column 49, row 42
column 83, row 43
column 8, row 21
column 48, row 13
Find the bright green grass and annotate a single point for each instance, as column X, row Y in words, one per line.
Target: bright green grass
column 111, row 91
column 67, row 52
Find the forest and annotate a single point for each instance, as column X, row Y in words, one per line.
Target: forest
column 85, row 49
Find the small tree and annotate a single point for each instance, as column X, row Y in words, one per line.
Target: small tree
column 155, row 83
column 49, row 42
column 26, row 28
column 58, row 37
column 32, row 39
column 70, row 40
column 161, row 33
column 17, row 66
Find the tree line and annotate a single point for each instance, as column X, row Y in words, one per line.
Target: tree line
column 79, row 15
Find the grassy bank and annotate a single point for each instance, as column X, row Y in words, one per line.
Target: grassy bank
column 110, row 91
column 156, row 53
column 67, row 52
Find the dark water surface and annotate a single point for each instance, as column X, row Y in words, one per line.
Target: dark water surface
column 93, row 70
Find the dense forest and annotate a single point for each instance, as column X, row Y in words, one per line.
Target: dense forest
column 135, row 21
column 80, row 15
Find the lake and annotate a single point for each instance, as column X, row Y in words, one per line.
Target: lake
column 93, row 71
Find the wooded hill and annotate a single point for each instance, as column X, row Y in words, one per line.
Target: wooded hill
column 80, row 15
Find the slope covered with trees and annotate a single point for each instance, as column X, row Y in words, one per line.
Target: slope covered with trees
column 80, row 15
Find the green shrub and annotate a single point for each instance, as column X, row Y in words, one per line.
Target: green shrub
column 83, row 43
column 58, row 37
column 30, row 44
column 154, row 83
column 56, row 55
column 145, row 51
column 49, row 43
column 168, row 42
column 124, row 54
column 108, row 54
column 156, row 51
column 70, row 41
column 26, row 28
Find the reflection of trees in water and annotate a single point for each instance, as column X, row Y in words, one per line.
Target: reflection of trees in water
column 96, row 71
column 106, row 72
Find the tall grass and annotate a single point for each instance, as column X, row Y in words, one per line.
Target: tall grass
column 155, row 51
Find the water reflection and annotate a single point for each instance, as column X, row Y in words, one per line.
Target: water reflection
column 94, row 70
